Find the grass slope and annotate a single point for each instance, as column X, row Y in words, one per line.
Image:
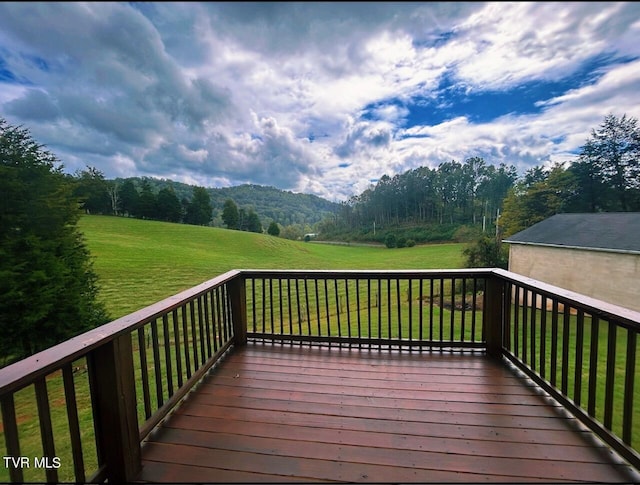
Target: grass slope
column 140, row 262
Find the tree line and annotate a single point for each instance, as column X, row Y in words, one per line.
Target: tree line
column 167, row 200
column 48, row 288
column 453, row 192
column 604, row 177
column 101, row 196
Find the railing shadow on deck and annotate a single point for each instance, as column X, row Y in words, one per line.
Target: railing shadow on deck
column 85, row 406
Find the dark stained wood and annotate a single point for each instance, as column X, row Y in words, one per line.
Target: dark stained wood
column 144, row 372
column 46, row 429
column 113, row 393
column 493, row 316
column 156, row 363
column 24, row 372
column 74, row 425
column 10, row 431
column 611, row 372
column 593, row 366
column 628, row 387
column 275, row 413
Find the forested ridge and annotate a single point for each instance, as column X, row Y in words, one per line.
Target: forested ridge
column 434, row 203
column 47, row 273
column 425, row 203
column 164, row 199
column 422, row 204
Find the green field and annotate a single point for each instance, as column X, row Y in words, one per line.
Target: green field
column 140, row 262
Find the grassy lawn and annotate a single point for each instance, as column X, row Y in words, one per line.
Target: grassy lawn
column 568, row 335
column 141, row 262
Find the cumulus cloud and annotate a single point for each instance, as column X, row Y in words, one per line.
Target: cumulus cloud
column 318, row 97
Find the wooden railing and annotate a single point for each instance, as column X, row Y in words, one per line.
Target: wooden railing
column 85, row 406
column 98, row 395
column 581, row 351
column 393, row 309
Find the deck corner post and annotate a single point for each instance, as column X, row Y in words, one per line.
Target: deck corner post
column 113, row 391
column 238, row 297
column 494, row 314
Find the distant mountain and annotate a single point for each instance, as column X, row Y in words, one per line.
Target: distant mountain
column 270, row 203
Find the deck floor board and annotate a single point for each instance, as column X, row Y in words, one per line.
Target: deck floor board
column 276, row 413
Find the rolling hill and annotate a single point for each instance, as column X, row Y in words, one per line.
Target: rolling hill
column 139, row 262
column 270, row 203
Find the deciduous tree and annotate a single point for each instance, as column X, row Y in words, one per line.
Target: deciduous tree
column 93, row 191
column 486, row 252
column 273, row 229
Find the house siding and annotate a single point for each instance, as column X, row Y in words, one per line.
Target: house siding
column 613, row 277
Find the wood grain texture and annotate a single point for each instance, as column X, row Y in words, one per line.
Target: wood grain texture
column 276, row 413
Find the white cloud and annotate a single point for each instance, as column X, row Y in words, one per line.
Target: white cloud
column 220, row 93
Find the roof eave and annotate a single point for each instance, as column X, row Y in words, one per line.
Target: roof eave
column 564, row 246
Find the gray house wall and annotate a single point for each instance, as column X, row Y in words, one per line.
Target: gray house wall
column 610, row 276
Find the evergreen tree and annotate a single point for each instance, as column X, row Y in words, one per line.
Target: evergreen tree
column 147, row 202
column 253, row 222
column 48, row 289
column 613, row 153
column 129, row 198
column 230, row 214
column 168, row 205
column 199, row 209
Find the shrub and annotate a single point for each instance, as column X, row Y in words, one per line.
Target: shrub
column 467, row 233
column 486, row 252
column 390, row 240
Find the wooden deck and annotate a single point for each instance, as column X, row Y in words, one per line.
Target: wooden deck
column 278, row 413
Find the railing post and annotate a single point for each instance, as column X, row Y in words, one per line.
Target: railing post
column 114, row 407
column 238, row 297
column 493, row 318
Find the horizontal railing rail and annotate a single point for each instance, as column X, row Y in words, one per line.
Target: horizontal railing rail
column 96, row 396
column 582, row 351
column 394, row 309
column 104, row 391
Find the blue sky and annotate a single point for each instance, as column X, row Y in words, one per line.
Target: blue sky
column 314, row 97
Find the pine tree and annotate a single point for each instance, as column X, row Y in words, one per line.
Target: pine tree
column 230, row 214
column 199, row 209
